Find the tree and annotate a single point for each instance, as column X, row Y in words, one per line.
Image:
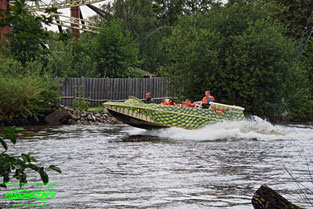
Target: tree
column 70, row 58
column 114, row 51
column 235, row 51
column 301, row 89
column 27, row 34
column 169, row 11
column 295, row 15
column 138, row 17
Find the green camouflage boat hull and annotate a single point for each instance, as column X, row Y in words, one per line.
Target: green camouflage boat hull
column 153, row 116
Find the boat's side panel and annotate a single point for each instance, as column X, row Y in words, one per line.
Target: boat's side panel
column 162, row 118
column 172, row 116
column 135, row 122
column 215, row 112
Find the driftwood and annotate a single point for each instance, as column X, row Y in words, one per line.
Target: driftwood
column 266, row 198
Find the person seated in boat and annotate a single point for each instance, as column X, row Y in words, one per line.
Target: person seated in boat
column 187, row 103
column 205, row 102
column 148, row 100
column 165, row 101
column 172, row 102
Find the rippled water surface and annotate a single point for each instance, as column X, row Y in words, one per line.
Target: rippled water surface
column 220, row 166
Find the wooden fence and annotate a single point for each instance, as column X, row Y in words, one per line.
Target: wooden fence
column 99, row 90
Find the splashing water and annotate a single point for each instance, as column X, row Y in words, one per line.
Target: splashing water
column 255, row 128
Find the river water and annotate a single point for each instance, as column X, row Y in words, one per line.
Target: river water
column 219, row 166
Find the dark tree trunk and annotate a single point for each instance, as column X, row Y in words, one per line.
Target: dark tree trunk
column 266, row 198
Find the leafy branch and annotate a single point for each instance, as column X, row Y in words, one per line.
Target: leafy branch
column 17, row 165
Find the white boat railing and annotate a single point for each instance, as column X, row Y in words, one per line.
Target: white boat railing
column 230, row 106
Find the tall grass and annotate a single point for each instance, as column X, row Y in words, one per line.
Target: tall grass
column 304, row 191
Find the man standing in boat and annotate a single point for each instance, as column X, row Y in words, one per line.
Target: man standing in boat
column 205, row 102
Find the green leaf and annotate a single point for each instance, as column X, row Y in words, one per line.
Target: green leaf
column 53, row 167
column 25, row 158
column 4, row 144
column 18, row 129
column 9, row 134
column 11, row 137
column 32, row 159
column 32, row 166
column 43, row 175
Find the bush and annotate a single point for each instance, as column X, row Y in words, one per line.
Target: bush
column 27, row 96
column 80, row 103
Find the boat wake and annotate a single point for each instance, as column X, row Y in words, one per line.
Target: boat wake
column 253, row 129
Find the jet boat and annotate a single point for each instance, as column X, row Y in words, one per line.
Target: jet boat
column 154, row 116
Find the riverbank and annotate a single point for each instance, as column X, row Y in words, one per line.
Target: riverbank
column 90, row 117
column 65, row 116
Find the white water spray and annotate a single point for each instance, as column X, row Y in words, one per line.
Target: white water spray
column 255, row 128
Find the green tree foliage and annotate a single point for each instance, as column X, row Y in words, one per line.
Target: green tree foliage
column 235, row 51
column 294, row 15
column 139, row 18
column 71, row 59
column 169, row 11
column 114, row 51
column 150, row 22
column 17, row 165
column 26, row 35
column 300, row 102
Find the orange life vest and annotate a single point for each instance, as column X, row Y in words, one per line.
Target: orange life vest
column 205, row 98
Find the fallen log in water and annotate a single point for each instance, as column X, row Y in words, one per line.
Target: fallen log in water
column 266, row 198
